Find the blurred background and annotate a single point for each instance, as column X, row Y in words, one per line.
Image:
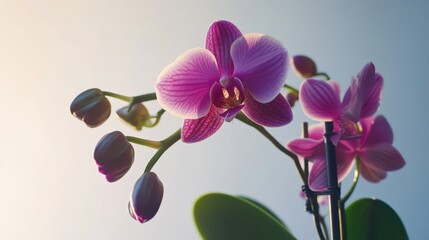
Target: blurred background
column 50, row 51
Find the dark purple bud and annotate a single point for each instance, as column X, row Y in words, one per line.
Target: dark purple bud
column 146, row 197
column 291, row 98
column 114, row 155
column 92, row 107
column 137, row 116
column 304, row 66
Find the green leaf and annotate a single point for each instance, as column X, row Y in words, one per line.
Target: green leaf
column 267, row 210
column 222, row 216
column 373, row 219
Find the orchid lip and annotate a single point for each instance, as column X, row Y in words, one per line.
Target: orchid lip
column 230, row 114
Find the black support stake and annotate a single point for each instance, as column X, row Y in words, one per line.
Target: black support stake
column 333, row 188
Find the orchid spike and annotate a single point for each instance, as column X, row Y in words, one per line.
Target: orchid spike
column 234, row 73
column 320, row 101
column 374, row 149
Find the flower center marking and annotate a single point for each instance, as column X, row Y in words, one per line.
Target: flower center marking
column 227, row 93
column 230, row 101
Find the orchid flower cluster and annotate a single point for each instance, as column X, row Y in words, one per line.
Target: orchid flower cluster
column 242, row 76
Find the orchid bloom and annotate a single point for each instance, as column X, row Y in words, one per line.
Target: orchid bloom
column 234, row 73
column 320, row 101
column 374, row 150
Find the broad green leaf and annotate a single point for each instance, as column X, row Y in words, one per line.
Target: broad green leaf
column 267, row 210
column 222, row 216
column 373, row 219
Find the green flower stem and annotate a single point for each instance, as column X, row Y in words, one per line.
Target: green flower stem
column 165, row 144
column 157, row 118
column 325, row 75
column 355, row 181
column 290, row 88
column 346, row 197
column 144, row 142
column 240, row 116
column 118, row 96
column 343, row 229
column 142, row 98
column 132, row 100
column 138, row 99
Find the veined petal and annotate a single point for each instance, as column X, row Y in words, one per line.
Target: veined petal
column 346, row 99
column 372, row 175
column 308, row 148
column 382, row 157
column 316, row 131
column 183, row 87
column 318, row 179
column 319, row 100
column 195, row 130
column 360, row 92
column 373, row 99
column 260, row 62
column 372, row 102
column 366, row 125
column 376, row 131
column 220, row 36
column 336, row 86
column 273, row 114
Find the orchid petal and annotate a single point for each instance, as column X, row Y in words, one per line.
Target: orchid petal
column 261, row 64
column 372, row 102
column 195, row 130
column 220, row 36
column 346, row 98
column 273, row 114
column 382, row 157
column 316, row 131
column 336, row 86
column 373, row 99
column 372, row 175
column 360, row 90
column 183, row 87
column 376, row 131
column 307, row 147
column 320, row 100
column 366, row 125
column 318, row 179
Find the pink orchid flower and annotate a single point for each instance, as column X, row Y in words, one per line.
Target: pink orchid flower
column 320, row 101
column 374, row 149
column 234, row 73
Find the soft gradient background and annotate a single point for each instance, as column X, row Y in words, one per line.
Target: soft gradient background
column 51, row 50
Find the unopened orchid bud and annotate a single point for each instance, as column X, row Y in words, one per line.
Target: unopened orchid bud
column 304, row 66
column 92, row 107
column 137, row 116
column 291, row 98
column 114, row 156
column 146, row 197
